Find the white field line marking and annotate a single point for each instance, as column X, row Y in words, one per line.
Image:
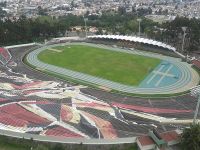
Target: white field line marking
column 164, row 75
column 153, row 76
column 55, row 50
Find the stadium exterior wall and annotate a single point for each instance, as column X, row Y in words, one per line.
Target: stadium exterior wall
column 67, row 140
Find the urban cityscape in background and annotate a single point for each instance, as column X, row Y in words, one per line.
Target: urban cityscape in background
column 164, row 10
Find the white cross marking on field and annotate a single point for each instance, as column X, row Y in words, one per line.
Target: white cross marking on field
column 163, row 75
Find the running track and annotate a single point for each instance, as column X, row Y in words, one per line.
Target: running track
column 189, row 77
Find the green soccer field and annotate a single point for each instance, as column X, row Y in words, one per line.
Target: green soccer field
column 119, row 67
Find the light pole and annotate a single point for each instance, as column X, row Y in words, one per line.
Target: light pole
column 139, row 20
column 184, row 34
column 85, row 19
column 161, row 29
column 196, row 93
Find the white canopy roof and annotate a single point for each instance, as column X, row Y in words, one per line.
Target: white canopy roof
column 134, row 39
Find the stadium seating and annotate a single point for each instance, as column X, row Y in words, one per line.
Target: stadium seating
column 196, row 63
column 104, row 126
column 134, row 39
column 53, row 109
column 8, row 119
column 91, row 130
column 148, row 109
column 61, row 132
column 28, row 85
column 133, row 42
column 66, row 114
column 99, row 113
column 20, row 113
column 24, row 112
column 4, row 56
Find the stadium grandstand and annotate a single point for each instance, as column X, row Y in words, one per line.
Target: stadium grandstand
column 34, row 105
column 196, row 63
column 135, row 42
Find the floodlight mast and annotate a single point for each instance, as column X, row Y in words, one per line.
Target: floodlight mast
column 139, row 20
column 196, row 93
column 184, row 34
column 85, row 20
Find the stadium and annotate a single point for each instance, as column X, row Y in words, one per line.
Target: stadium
column 48, row 102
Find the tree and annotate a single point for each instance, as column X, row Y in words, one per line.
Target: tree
column 100, row 31
column 133, row 25
column 41, row 11
column 58, row 146
column 190, row 138
column 3, row 4
column 41, row 147
column 3, row 13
